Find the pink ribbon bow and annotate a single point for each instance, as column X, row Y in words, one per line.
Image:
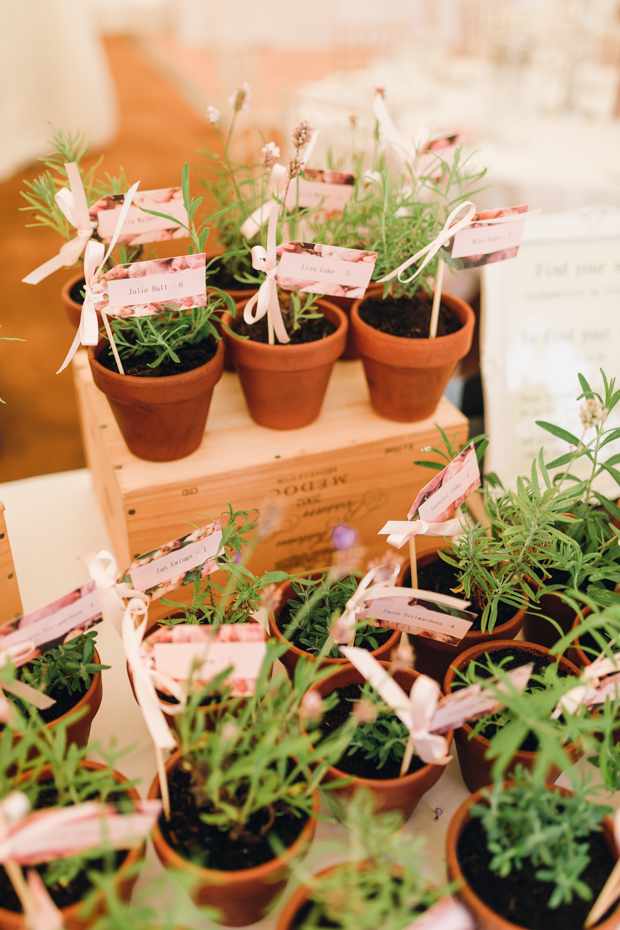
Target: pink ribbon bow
column 401, row 531
column 343, row 630
column 266, row 299
column 111, row 592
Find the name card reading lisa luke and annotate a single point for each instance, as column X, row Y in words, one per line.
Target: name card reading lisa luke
column 176, row 563
column 314, row 268
column 431, row 619
column 148, row 288
column 329, row 190
column 51, row 625
column 450, row 488
column 202, row 653
column 140, row 227
column 484, row 241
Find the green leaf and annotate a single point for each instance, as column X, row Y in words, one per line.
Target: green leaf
column 558, row 431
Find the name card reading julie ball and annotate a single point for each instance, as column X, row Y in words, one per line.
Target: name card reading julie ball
column 314, row 268
column 176, row 563
column 139, row 226
column 162, row 285
column 450, row 488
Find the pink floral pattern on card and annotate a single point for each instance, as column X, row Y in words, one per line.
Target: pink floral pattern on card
column 355, row 265
column 140, row 272
column 500, row 255
column 141, row 227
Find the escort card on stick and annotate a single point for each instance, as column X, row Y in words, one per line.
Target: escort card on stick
column 141, row 227
column 425, row 614
column 315, row 268
column 176, row 563
column 163, row 285
column 328, row 190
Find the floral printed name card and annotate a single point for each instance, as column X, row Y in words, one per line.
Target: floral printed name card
column 140, row 227
column 53, row 624
column 162, row 285
column 450, row 488
column 475, row 702
column 327, row 190
column 424, row 616
column 484, row 241
column 331, row 270
column 176, row 563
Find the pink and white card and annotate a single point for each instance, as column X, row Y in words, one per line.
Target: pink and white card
column 314, row 268
column 55, row 623
column 327, row 190
column 450, row 488
column 140, row 227
column 162, row 285
column 176, row 563
column 475, row 702
column 202, row 652
column 430, row 619
column 446, row 914
column 492, row 236
column 438, row 154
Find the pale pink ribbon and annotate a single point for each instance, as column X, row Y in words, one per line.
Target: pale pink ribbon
column 611, row 890
column 266, row 299
column 19, row 655
column 343, row 630
column 74, row 206
column 591, row 691
column 401, row 531
column 415, row 710
column 95, row 257
column 111, row 592
column 446, row 914
column 45, row 915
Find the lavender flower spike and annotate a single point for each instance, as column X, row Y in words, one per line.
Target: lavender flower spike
column 269, row 153
column 295, row 167
column 240, row 100
column 344, row 536
column 213, row 115
column 302, row 134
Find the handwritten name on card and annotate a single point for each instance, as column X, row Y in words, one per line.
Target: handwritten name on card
column 424, row 618
column 314, row 268
column 50, row 625
column 162, row 285
column 445, row 493
column 140, row 227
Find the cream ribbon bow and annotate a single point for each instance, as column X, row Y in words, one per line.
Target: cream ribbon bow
column 401, row 531
column 266, row 299
column 95, row 257
column 75, row 208
column 586, row 691
column 343, row 630
column 415, row 710
column 111, row 593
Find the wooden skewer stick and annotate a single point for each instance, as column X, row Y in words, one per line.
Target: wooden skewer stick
column 413, row 563
column 407, row 757
column 436, row 299
column 22, row 890
column 163, row 781
column 607, row 897
column 108, row 330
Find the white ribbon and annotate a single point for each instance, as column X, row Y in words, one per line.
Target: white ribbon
column 266, row 298
column 401, row 531
column 404, row 148
column 74, row 206
column 111, row 593
column 611, row 890
column 415, row 710
column 46, row 915
column 95, row 257
column 591, row 691
column 343, row 630
column 19, row 654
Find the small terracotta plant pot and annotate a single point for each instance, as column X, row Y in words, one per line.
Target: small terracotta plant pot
column 576, row 653
column 237, row 294
column 399, row 794
column 242, row 896
column 10, row 920
column 475, row 767
column 290, row 659
column 284, row 385
column 485, row 917
column 434, row 658
column 537, row 629
column 72, row 307
column 406, row 377
column 79, row 732
column 161, row 419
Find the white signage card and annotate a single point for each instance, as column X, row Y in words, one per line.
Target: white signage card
column 175, row 563
column 549, row 314
column 159, row 288
column 449, row 624
column 79, row 609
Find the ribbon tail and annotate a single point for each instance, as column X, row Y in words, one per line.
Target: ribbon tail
column 74, row 347
column 67, row 256
column 248, row 316
column 276, row 316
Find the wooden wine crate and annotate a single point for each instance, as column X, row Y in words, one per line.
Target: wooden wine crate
column 10, row 600
column 350, row 466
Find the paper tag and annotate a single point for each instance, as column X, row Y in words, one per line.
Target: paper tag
column 329, row 190
column 471, row 703
column 29, row 694
column 162, row 285
column 484, row 242
column 442, row 496
column 609, row 688
column 441, row 622
column 176, row 563
column 142, row 227
column 446, row 914
column 438, row 153
column 49, row 626
column 313, row 268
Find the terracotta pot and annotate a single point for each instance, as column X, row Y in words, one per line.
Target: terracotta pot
column 124, row 882
column 345, row 304
column 576, row 654
column 161, row 419
column 290, row 659
column 284, row 385
column 538, row 630
column 434, row 658
column 237, row 294
column 72, row 308
column 475, row 768
column 79, row 732
column 406, row 377
column 399, row 794
column 487, row 919
column 242, row 896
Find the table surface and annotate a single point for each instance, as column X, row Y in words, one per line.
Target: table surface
column 53, row 520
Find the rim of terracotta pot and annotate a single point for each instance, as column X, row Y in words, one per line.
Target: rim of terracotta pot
column 486, row 917
column 223, row 878
column 299, row 897
column 474, row 637
column 378, row 784
column 576, row 646
column 402, row 352
column 300, row 357
column 237, row 293
column 166, row 390
column 15, row 919
column 275, row 631
column 483, row 648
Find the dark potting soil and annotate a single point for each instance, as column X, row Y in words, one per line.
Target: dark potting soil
column 208, row 847
column 75, row 291
column 409, row 317
column 442, row 579
column 224, row 279
column 514, row 657
column 192, row 356
column 521, row 898
column 284, row 620
column 309, row 331
column 356, row 764
column 65, row 702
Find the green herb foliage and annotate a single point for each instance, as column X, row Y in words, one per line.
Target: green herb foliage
column 383, row 740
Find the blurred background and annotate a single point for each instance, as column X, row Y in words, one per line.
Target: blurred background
column 533, row 85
